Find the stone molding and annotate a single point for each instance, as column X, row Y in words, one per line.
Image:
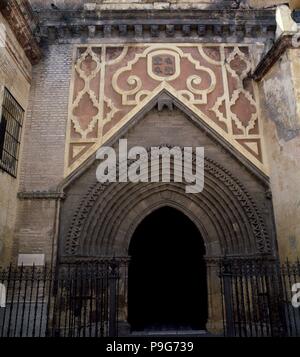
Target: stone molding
column 41, row 195
column 95, row 196
column 23, row 23
column 284, row 42
column 63, row 25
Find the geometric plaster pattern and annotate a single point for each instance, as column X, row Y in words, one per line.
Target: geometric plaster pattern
column 112, row 83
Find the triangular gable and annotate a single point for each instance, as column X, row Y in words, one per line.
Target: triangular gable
column 112, row 85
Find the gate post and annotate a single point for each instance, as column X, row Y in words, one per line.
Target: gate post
column 113, row 276
column 214, row 324
column 226, row 276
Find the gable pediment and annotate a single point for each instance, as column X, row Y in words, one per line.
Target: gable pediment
column 112, row 84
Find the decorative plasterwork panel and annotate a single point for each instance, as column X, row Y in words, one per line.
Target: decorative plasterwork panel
column 112, row 83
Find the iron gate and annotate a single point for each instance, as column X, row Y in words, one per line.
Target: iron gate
column 76, row 300
column 257, row 298
column 86, row 299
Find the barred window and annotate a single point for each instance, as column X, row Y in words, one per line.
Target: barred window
column 10, row 133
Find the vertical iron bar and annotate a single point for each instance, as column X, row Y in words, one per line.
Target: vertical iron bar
column 18, row 301
column 43, row 299
column 30, row 299
column 97, row 297
column 112, row 301
column 91, row 293
column 36, row 304
column 243, row 311
column 227, row 277
column 84, row 298
column 248, row 302
column 49, row 304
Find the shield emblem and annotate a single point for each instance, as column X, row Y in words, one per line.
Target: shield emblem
column 164, row 65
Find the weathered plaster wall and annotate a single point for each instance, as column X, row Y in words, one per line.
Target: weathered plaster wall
column 282, row 139
column 14, row 75
column 261, row 4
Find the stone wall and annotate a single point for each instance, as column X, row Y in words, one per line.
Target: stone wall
column 145, row 4
column 280, row 111
column 109, row 217
column 15, row 72
column 35, row 228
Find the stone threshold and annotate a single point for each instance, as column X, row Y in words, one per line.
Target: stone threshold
column 171, row 333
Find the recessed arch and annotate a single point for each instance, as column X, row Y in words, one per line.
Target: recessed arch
column 172, row 204
column 167, row 279
column 233, row 213
column 103, row 223
column 233, row 221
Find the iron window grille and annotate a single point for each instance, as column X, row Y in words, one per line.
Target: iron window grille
column 10, row 133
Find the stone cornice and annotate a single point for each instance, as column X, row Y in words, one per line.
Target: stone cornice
column 284, row 42
column 22, row 22
column 41, row 195
column 178, row 4
column 59, row 25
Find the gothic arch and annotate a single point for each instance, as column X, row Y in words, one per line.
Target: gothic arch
column 224, row 212
column 233, row 219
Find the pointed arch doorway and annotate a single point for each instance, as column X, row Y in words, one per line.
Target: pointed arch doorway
column 167, row 284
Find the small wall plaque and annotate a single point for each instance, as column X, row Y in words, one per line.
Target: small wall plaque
column 2, row 295
column 31, row 259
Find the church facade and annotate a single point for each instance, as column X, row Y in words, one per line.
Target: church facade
column 223, row 75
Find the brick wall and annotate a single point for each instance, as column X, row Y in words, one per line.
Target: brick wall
column 44, row 141
column 43, row 155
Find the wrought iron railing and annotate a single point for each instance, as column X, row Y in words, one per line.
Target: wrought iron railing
column 78, row 300
column 257, row 298
column 89, row 299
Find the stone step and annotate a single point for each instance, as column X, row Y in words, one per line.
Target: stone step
column 171, row 333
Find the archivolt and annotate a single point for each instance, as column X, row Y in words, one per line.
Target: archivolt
column 224, row 212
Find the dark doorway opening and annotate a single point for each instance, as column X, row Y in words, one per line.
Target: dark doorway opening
column 167, row 286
